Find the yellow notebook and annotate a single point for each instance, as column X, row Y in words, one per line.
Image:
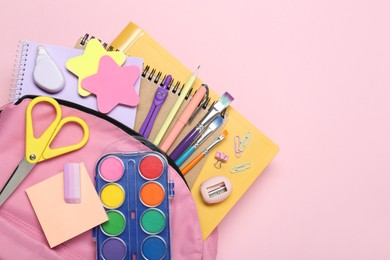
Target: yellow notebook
column 259, row 151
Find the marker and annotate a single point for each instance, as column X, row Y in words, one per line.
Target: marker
column 184, row 117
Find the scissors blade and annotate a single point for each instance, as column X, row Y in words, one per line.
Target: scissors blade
column 16, row 178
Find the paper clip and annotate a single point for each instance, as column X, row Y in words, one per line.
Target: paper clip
column 241, row 144
column 240, row 167
column 237, row 145
column 245, row 141
column 221, row 158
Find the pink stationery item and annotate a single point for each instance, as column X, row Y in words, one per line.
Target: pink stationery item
column 62, row 221
column 221, row 157
column 72, row 188
column 216, row 189
column 87, row 63
column 113, row 85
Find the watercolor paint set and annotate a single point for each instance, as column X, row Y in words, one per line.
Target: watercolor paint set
column 134, row 189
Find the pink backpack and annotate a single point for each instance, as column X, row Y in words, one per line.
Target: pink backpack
column 21, row 236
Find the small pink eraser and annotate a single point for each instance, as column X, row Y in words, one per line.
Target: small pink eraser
column 72, row 185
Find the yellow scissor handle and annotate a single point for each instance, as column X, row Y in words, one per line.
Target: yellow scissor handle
column 38, row 149
column 36, row 146
column 50, row 153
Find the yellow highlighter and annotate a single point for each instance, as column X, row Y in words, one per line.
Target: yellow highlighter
column 175, row 107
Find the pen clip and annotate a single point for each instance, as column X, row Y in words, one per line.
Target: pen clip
column 205, row 100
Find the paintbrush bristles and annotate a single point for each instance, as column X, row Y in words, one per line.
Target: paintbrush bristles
column 223, row 102
column 224, row 133
column 226, row 99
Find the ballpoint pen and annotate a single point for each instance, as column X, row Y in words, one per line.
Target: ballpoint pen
column 197, row 159
column 175, row 107
column 159, row 98
column 214, row 111
column 185, row 117
column 209, row 131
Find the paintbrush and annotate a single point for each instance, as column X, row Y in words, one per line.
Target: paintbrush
column 214, row 111
column 190, row 150
column 197, row 159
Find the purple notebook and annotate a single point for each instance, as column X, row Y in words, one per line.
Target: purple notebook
column 24, row 84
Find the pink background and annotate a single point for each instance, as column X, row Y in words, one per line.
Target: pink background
column 312, row 75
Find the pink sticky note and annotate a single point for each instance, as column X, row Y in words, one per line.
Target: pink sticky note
column 113, row 85
column 62, row 221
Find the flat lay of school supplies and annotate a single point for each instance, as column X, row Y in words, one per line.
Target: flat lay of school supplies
column 170, row 157
column 259, row 151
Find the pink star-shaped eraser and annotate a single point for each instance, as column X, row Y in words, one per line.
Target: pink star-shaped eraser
column 113, row 85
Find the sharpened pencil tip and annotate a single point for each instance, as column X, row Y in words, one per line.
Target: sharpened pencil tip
column 196, row 71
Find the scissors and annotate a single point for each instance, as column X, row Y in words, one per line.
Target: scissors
column 38, row 149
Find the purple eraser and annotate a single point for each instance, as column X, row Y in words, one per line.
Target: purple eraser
column 72, row 185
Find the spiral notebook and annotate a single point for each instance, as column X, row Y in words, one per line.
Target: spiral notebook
column 23, row 83
column 259, row 152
